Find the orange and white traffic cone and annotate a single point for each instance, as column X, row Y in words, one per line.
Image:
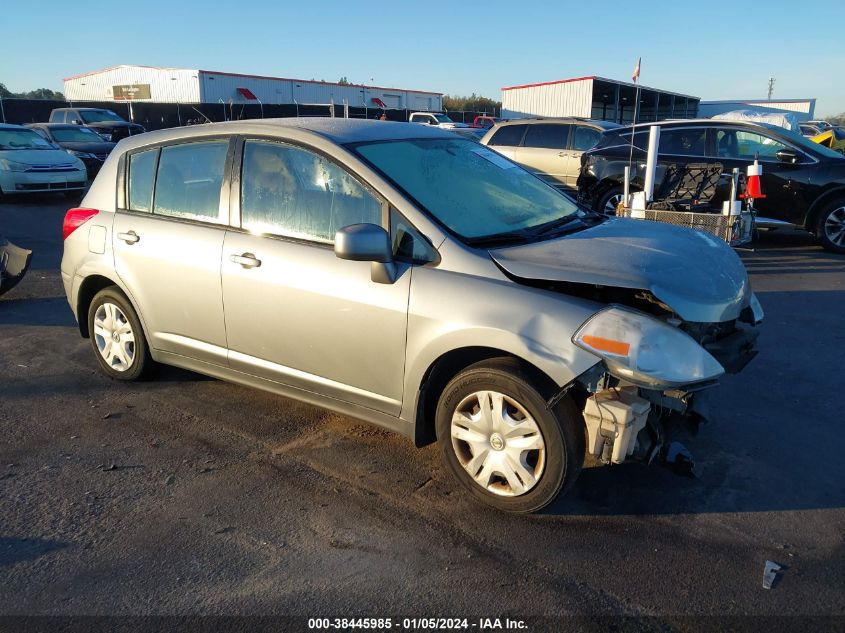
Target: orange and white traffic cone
column 753, row 191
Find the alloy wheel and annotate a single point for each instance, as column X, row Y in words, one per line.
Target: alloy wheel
column 834, row 226
column 498, row 443
column 612, row 203
column 114, row 337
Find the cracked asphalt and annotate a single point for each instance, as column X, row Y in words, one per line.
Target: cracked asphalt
column 192, row 496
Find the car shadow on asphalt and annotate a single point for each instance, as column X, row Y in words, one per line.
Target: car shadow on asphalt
column 41, row 311
column 15, row 550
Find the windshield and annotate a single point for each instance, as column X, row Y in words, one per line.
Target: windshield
column 442, row 118
column 22, row 139
column 471, row 190
column 97, row 116
column 75, row 134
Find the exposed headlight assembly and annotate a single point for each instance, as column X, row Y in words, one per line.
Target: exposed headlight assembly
column 645, row 351
column 10, row 165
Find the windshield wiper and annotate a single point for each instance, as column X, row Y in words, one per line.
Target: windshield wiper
column 500, row 239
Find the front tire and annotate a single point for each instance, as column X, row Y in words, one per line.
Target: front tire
column 501, row 442
column 830, row 229
column 118, row 339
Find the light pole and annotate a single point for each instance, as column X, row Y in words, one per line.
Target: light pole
column 176, row 97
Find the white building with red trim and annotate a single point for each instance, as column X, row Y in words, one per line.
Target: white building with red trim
column 597, row 98
column 182, row 85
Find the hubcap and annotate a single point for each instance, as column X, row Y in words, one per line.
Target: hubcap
column 834, row 226
column 114, row 337
column 498, row 443
column 612, row 203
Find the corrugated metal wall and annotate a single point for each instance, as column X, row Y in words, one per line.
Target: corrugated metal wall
column 175, row 85
column 216, row 86
column 167, row 85
column 803, row 109
column 570, row 98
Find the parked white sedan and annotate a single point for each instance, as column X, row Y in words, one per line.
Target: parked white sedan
column 30, row 163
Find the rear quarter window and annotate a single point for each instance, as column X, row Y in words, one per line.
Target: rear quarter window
column 141, row 179
column 508, row 136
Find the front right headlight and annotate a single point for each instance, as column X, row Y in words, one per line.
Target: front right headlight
column 645, row 351
column 10, row 165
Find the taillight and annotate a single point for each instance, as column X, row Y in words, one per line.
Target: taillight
column 75, row 218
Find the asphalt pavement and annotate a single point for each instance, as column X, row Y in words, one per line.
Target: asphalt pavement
column 192, row 496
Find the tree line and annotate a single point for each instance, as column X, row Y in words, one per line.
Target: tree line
column 40, row 93
column 473, row 103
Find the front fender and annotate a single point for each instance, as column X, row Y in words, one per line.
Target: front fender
column 449, row 311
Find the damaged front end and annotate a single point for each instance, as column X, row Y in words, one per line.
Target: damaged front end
column 650, row 390
column 14, row 262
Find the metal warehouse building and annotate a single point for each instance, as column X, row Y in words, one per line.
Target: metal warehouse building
column 597, row 98
column 181, row 85
column 803, row 109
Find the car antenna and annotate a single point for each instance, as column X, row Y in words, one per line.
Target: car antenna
column 202, row 115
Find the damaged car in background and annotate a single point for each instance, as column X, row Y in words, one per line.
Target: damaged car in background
column 412, row 279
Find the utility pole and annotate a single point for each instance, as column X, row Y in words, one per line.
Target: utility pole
column 771, row 87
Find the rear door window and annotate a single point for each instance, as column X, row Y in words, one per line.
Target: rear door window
column 508, row 136
column 293, row 192
column 189, row 179
column 547, row 136
column 682, row 142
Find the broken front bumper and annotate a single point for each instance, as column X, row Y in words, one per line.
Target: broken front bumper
column 14, row 262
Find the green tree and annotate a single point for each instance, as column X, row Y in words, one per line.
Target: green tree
column 838, row 119
column 40, row 93
column 473, row 103
column 343, row 81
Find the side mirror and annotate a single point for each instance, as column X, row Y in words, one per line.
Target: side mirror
column 788, row 156
column 76, row 122
column 367, row 243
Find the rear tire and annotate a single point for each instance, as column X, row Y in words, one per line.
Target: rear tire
column 501, row 442
column 117, row 337
column 607, row 202
column 830, row 229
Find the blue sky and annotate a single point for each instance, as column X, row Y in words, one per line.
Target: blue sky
column 715, row 50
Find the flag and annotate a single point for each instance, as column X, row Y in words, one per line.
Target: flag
column 636, row 74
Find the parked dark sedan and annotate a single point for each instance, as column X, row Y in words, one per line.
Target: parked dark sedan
column 104, row 122
column 804, row 183
column 80, row 141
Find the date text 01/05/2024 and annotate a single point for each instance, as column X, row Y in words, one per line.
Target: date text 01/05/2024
column 413, row 624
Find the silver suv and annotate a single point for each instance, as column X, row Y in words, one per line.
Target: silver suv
column 404, row 276
column 549, row 148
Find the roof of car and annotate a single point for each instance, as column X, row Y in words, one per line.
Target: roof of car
column 53, row 125
column 10, row 126
column 557, row 119
column 699, row 122
column 85, row 109
column 337, row 130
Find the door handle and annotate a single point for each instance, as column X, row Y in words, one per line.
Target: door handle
column 130, row 238
column 247, row 260
column 563, row 154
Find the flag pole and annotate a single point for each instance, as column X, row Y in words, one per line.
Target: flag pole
column 635, row 77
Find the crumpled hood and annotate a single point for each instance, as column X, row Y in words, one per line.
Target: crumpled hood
column 699, row 276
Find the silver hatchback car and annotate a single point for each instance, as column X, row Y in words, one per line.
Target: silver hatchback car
column 405, row 276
